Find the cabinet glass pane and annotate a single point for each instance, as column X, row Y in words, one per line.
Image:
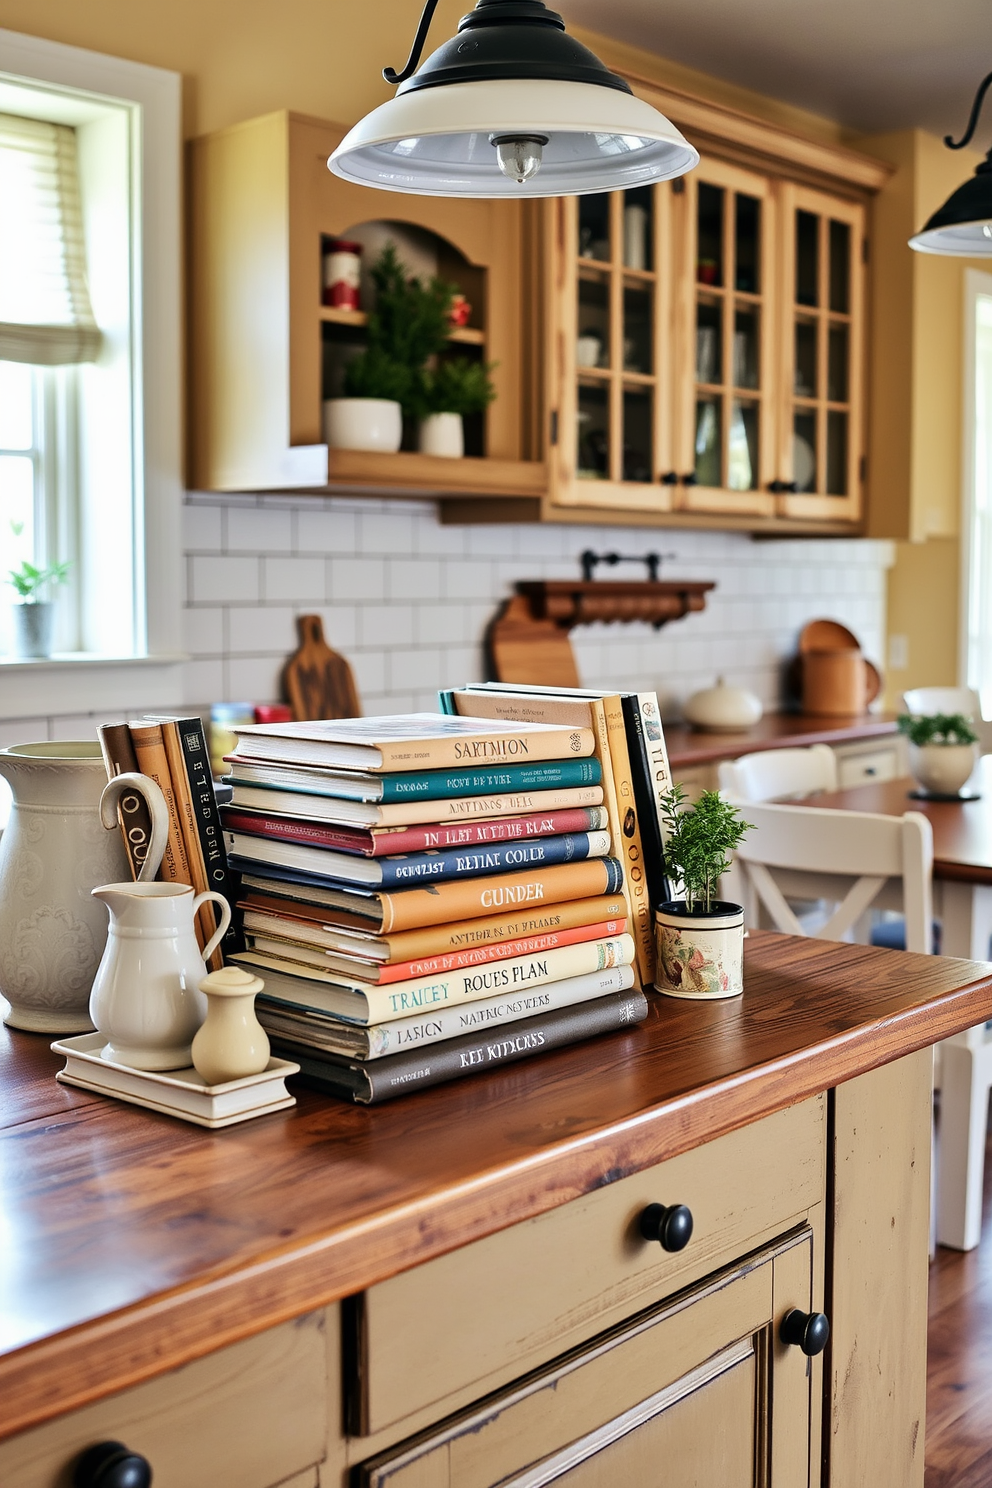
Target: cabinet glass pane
column 807, row 258
column 747, row 226
column 836, row 453
column 593, row 345
column 593, row 438
column 804, row 450
column 709, row 341
column 746, row 361
column 709, row 234
column 637, row 337
column 742, row 447
column 805, row 373
column 637, row 442
column 638, row 218
column 709, row 441
column 840, row 267
column 594, row 226
column 837, row 364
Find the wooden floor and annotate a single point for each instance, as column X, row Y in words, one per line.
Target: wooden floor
column 959, row 1362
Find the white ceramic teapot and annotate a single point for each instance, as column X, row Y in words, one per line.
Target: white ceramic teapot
column 146, row 998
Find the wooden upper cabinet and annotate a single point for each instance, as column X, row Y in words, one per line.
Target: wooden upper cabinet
column 265, row 352
column 707, row 336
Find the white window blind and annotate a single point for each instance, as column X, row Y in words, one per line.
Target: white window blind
column 45, row 311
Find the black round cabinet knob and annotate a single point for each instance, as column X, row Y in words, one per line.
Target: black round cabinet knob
column 807, row 1330
column 109, row 1464
column 671, row 1226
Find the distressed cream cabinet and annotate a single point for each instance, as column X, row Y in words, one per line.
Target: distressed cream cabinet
column 569, row 1349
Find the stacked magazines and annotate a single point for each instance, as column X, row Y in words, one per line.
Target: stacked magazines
column 427, row 896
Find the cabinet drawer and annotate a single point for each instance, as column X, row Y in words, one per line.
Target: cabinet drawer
column 860, row 769
column 432, row 1339
column 254, row 1415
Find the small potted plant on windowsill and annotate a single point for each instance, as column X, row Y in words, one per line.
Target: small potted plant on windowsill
column 943, row 750
column 447, row 393
column 33, row 617
column 700, row 937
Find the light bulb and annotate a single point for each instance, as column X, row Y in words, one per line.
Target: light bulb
column 519, row 156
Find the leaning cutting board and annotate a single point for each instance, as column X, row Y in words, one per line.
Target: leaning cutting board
column 317, row 681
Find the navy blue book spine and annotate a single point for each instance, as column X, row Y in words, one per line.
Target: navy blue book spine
column 410, row 870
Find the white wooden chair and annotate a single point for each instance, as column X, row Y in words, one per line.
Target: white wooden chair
column 943, row 700
column 779, row 774
column 853, row 859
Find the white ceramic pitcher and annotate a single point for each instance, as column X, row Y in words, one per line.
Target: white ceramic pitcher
column 146, row 999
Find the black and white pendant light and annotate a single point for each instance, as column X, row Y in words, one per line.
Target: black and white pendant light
column 511, row 106
column 963, row 225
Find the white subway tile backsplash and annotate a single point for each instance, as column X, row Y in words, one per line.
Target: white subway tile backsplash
column 260, row 530
column 254, row 677
column 203, row 630
column 326, row 531
column 202, row 529
column 253, row 630
column 384, row 626
column 298, row 580
column 218, row 578
column 413, row 578
column 362, row 578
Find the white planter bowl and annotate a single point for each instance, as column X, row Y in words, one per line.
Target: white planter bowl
column 722, row 707
column 700, row 956
column 443, row 434
column 942, row 768
column 363, row 424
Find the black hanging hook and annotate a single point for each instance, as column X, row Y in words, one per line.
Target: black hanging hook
column 416, row 50
column 976, row 109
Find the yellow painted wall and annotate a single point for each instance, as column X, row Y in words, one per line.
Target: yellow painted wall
column 923, row 606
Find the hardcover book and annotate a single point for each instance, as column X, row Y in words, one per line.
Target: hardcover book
column 303, row 793
column 433, row 867
column 382, row 1079
column 360, row 1002
column 410, row 741
column 320, row 1031
column 434, row 785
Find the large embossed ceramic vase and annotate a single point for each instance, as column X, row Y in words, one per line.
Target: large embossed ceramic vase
column 54, row 850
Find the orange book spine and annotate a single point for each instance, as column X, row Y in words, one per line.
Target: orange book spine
column 627, row 845
column 531, row 945
column 494, row 930
column 153, row 761
column 467, row 899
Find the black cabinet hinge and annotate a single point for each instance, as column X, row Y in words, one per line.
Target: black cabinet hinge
column 553, row 432
column 864, row 250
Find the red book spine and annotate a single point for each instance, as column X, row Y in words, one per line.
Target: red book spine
column 506, row 829
column 529, row 946
column 293, row 829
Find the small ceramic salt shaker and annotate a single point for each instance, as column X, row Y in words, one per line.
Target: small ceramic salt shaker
column 231, row 1044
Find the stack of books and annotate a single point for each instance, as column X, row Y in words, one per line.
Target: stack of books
column 174, row 753
column 428, row 896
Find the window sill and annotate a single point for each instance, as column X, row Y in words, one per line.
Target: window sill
column 83, row 682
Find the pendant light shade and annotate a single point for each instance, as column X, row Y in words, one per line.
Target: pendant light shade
column 512, row 106
column 962, row 227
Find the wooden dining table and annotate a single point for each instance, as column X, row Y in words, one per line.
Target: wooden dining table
column 962, row 884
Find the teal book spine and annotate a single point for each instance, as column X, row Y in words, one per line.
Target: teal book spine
column 439, row 785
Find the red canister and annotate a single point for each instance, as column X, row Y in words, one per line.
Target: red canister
column 342, row 274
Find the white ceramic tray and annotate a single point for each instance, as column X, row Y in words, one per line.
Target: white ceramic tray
column 179, row 1093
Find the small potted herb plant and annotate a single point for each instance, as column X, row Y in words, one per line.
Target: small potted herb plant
column 943, row 750
column 33, row 616
column 700, row 937
column 449, row 391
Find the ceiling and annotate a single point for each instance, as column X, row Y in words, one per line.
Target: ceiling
column 870, row 65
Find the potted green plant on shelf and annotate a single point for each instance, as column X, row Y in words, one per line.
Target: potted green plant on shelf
column 33, row 615
column 446, row 393
column 943, row 751
column 700, row 938
column 408, row 325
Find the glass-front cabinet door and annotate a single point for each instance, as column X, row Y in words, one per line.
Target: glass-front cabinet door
column 612, row 379
column 820, row 448
column 725, row 334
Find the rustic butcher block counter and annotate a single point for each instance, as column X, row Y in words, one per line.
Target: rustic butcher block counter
column 453, row 1287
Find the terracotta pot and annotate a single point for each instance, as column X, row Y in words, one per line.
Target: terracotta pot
column 700, row 955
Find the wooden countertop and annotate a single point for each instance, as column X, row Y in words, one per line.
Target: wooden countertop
column 133, row 1242
column 688, row 746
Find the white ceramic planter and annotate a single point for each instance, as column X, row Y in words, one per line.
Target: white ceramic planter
column 942, row 768
column 363, row 424
column 443, row 434
column 33, row 627
column 700, row 956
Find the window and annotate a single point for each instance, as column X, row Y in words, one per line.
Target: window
column 977, row 546
column 90, row 335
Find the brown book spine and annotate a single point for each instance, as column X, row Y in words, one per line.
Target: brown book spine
column 154, row 762
column 628, row 844
column 206, row 919
column 132, row 811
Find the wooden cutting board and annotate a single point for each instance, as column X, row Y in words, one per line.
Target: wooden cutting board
column 317, row 681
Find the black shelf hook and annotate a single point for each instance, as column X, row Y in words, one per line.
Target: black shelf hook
column 413, row 61
column 652, row 561
column 976, row 109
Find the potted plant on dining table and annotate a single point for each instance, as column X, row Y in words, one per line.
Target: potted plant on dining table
column 700, row 937
column 943, row 752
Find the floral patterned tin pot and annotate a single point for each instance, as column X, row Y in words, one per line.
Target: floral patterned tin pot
column 700, row 955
